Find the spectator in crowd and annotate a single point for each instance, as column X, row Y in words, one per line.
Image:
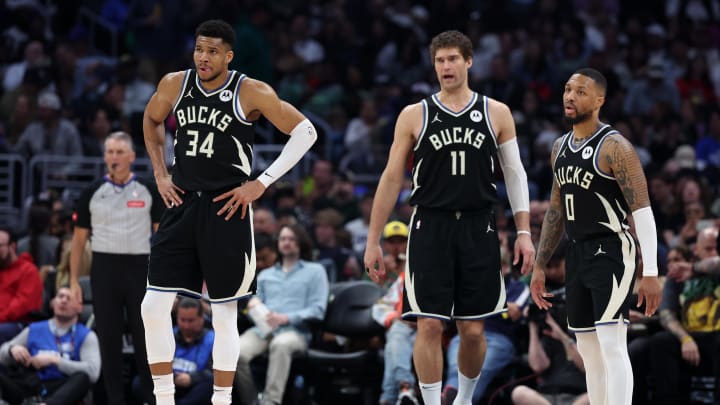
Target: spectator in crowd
column 20, row 286
column 98, row 127
column 691, row 334
column 34, row 55
column 41, row 246
column 56, row 360
column 192, row 366
column 646, row 94
column 552, row 353
column 294, row 292
column 265, row 250
column 330, row 249
column 264, row 221
column 358, row 227
column 51, row 134
column 398, row 378
column 639, row 346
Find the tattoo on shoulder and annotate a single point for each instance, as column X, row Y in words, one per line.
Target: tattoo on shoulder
column 626, row 168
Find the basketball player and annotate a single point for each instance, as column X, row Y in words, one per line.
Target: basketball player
column 200, row 236
column 598, row 180
column 453, row 262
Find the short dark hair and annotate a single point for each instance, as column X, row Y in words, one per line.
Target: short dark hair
column 597, row 77
column 187, row 302
column 265, row 240
column 12, row 235
column 217, row 29
column 451, row 39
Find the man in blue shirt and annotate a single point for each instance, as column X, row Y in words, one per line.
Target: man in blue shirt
column 289, row 295
column 192, row 365
column 64, row 354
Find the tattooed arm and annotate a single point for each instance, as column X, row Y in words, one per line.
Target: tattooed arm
column 669, row 321
column 553, row 227
column 552, row 231
column 618, row 158
column 709, row 266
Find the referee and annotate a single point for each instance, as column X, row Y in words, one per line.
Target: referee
column 118, row 213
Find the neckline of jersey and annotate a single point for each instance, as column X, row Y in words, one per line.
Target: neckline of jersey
column 590, row 138
column 473, row 100
column 206, row 93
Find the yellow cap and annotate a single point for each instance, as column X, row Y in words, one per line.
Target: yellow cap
column 395, row 228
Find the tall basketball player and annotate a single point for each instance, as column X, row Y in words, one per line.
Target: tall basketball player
column 458, row 138
column 598, row 181
column 200, row 237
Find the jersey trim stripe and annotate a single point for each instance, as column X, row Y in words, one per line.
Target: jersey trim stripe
column 590, row 138
column 175, row 290
column 425, row 112
column 237, row 108
column 182, row 90
column 560, row 150
column 487, row 117
column 440, row 105
column 483, row 316
column 596, row 163
column 219, row 89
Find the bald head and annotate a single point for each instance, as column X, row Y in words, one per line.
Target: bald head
column 706, row 245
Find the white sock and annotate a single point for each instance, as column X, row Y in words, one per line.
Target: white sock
column 431, row 392
column 595, row 373
column 466, row 387
column 221, row 395
column 164, row 389
column 613, row 346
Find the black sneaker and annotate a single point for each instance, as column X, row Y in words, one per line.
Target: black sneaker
column 407, row 397
column 448, row 395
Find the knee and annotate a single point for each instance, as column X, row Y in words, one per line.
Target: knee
column 471, row 330
column 224, row 319
column 520, row 394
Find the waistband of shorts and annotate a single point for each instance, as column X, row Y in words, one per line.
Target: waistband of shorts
column 454, row 213
column 213, row 193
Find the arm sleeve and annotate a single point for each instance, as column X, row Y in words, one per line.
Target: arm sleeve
column 515, row 176
column 302, row 138
column 89, row 362
column 647, row 237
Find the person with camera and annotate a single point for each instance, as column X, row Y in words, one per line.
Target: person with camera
column 552, row 353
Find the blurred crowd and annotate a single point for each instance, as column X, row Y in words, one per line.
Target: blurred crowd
column 74, row 71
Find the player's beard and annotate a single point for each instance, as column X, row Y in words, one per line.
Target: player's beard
column 578, row 119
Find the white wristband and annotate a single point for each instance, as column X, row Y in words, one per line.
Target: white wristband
column 647, row 237
column 302, row 138
column 521, row 232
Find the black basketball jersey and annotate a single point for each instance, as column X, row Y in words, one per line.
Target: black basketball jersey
column 593, row 202
column 454, row 157
column 213, row 140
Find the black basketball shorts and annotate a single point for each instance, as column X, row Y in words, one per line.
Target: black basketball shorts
column 194, row 244
column 600, row 274
column 453, row 266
